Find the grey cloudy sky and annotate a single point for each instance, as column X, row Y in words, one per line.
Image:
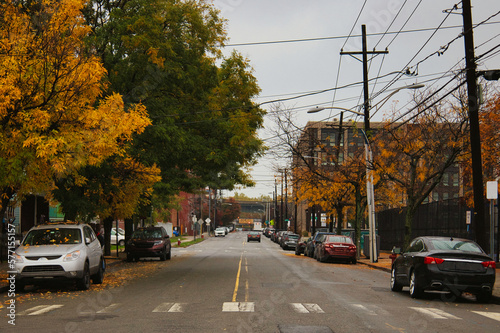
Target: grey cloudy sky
column 297, row 65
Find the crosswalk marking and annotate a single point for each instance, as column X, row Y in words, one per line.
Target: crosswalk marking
column 238, row 307
column 39, row 309
column 491, row 315
column 306, row 308
column 364, row 308
column 435, row 313
column 170, row 307
column 109, row 308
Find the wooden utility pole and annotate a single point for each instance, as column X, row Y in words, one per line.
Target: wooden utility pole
column 475, row 137
column 364, row 60
column 369, row 176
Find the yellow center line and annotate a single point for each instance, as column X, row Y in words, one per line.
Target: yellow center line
column 235, row 293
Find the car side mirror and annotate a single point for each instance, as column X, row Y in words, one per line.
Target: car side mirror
column 17, row 243
column 87, row 240
column 396, row 250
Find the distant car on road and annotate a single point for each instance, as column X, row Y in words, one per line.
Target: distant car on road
column 149, row 242
column 444, row 264
column 253, row 236
column 220, row 232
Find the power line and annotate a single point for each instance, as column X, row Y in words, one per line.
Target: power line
column 345, row 36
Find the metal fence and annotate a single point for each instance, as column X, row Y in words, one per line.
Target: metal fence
column 440, row 218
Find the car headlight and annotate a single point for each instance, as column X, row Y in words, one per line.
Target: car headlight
column 18, row 258
column 158, row 243
column 72, row 256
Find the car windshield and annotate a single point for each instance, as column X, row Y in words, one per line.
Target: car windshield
column 219, row 229
column 338, row 239
column 293, row 236
column 146, row 234
column 455, row 245
column 53, row 236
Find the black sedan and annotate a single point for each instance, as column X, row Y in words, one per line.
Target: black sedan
column 444, row 264
column 253, row 236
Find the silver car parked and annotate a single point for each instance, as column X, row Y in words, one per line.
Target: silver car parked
column 66, row 251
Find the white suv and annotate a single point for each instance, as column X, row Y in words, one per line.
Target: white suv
column 69, row 251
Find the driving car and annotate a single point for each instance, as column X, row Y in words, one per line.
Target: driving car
column 439, row 264
column 336, row 247
column 68, row 251
column 220, row 232
column 253, row 236
column 149, row 242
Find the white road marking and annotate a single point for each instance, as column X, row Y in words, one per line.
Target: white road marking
column 109, row 308
column 365, row 309
column 238, row 307
column 170, row 307
column 491, row 315
column 435, row 313
column 40, row 309
column 306, row 308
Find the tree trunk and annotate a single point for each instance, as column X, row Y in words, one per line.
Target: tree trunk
column 108, row 224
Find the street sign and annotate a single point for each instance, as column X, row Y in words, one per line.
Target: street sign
column 207, row 220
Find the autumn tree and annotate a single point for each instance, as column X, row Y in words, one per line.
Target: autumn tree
column 54, row 117
column 413, row 155
column 166, row 55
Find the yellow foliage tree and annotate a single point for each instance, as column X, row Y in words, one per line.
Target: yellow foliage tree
column 53, row 117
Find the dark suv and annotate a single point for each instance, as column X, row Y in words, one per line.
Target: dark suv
column 149, row 242
column 311, row 246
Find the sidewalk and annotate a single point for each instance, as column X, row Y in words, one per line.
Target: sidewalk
column 111, row 261
column 384, row 263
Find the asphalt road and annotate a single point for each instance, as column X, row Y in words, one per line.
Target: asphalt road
column 229, row 285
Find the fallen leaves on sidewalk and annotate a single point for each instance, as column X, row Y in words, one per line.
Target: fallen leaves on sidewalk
column 116, row 275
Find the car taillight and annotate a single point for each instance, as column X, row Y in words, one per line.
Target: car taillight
column 432, row 260
column 491, row 264
column 329, row 246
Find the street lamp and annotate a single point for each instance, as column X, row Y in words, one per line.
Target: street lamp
column 370, row 196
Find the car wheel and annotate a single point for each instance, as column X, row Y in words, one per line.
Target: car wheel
column 121, row 243
column 98, row 278
column 354, row 261
column 415, row 290
column 395, row 285
column 84, row 282
column 484, row 297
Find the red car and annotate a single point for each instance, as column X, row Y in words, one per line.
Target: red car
column 336, row 247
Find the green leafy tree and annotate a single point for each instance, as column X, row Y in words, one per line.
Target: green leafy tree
column 164, row 54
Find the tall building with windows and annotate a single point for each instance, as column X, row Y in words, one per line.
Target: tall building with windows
column 325, row 147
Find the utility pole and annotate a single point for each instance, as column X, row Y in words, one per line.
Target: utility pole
column 475, row 137
column 369, row 176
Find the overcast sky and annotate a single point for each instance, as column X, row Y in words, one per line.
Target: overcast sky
column 294, row 48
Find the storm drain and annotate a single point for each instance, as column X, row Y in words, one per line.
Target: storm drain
column 303, row 329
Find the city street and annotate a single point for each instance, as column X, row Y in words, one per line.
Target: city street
column 226, row 284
